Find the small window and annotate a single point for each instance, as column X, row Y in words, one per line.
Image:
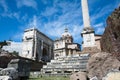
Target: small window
column 57, row 55
column 67, row 40
column 56, row 45
column 28, row 52
column 29, row 38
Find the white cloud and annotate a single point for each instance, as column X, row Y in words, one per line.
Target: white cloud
column 70, row 16
column 24, row 18
column 99, row 16
column 102, row 13
column 28, row 3
column 11, row 15
column 7, row 12
column 33, row 22
column 54, row 29
column 46, row 1
column 4, row 5
column 18, row 36
column 100, row 30
column 49, row 11
column 99, row 25
column 76, row 32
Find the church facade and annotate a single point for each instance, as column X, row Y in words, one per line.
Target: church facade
column 64, row 46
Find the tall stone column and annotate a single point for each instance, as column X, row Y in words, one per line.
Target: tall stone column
column 88, row 31
column 85, row 13
column 35, row 43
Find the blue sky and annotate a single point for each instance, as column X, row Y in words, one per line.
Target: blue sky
column 52, row 16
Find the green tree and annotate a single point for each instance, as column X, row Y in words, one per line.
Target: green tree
column 15, row 53
column 3, row 44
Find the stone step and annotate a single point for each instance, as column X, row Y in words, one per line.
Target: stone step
column 65, row 65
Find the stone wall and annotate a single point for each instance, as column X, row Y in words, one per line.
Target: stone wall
column 97, row 41
column 91, row 50
column 113, row 75
column 100, row 64
column 110, row 41
column 79, row 76
column 5, row 58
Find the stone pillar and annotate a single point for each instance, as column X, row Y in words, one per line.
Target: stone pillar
column 41, row 48
column 74, row 52
column 85, row 13
column 49, row 52
column 40, row 52
column 69, row 52
column 35, row 43
column 64, row 52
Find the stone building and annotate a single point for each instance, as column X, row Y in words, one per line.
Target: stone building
column 65, row 46
column 66, row 57
column 13, row 46
column 36, row 45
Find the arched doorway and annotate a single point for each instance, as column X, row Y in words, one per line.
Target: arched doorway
column 44, row 54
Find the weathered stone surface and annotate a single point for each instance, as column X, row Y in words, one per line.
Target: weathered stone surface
column 100, row 63
column 110, row 41
column 79, row 76
column 113, row 75
column 91, row 50
column 5, row 58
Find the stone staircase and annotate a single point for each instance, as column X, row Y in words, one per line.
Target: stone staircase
column 65, row 65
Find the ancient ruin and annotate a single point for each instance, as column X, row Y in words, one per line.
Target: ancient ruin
column 36, row 45
column 99, row 59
